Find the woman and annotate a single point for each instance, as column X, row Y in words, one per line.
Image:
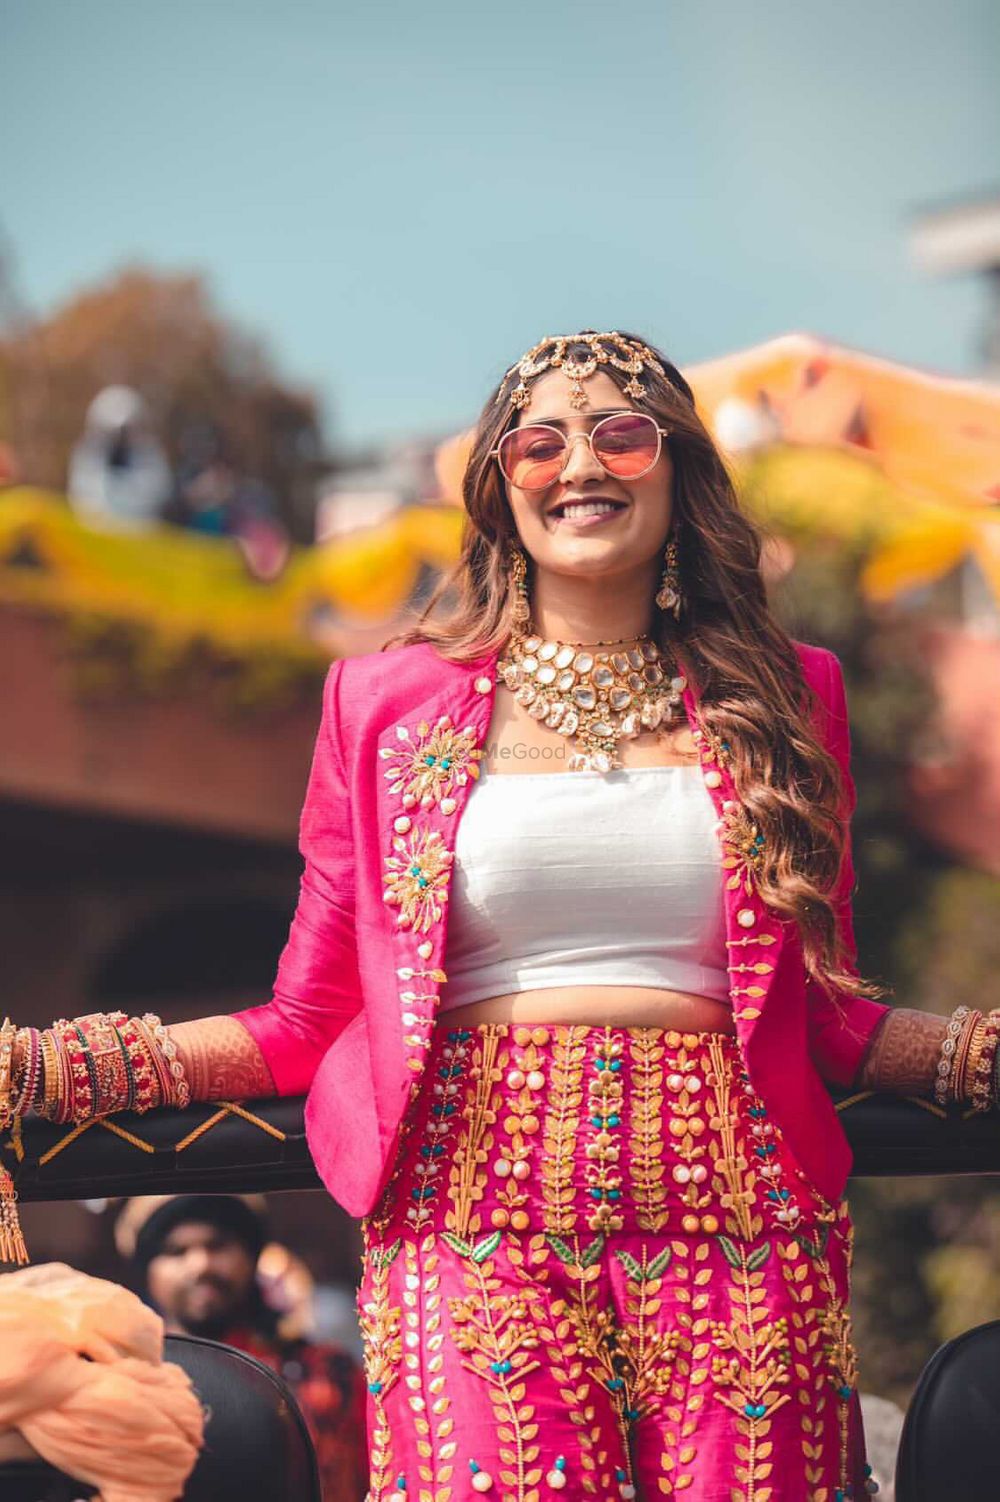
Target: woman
column 593, row 810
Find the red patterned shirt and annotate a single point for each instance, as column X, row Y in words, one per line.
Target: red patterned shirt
column 329, row 1386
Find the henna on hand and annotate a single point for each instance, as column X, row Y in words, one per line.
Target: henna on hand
column 903, row 1055
column 221, row 1060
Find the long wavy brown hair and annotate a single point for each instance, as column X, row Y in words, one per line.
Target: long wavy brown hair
column 753, row 693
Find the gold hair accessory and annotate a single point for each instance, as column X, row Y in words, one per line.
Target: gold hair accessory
column 564, row 352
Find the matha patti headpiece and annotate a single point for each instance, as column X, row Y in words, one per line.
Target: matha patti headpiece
column 563, row 352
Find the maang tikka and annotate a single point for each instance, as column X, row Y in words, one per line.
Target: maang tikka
column 578, row 356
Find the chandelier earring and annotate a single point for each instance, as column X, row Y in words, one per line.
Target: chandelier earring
column 521, row 608
column 668, row 596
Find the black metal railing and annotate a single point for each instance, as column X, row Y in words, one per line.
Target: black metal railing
column 261, row 1145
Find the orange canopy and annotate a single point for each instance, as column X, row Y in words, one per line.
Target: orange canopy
column 825, row 438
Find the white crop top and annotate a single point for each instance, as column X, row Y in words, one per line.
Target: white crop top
column 587, row 878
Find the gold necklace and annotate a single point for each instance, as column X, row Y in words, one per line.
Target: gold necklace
column 597, row 698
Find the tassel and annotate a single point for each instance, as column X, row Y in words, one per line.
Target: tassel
column 12, row 1246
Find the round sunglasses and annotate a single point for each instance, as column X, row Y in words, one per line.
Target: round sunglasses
column 625, row 444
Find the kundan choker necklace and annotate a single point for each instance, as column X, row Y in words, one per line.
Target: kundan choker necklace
column 596, row 697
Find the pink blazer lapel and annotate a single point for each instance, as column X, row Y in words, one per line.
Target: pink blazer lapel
column 755, row 934
column 428, row 765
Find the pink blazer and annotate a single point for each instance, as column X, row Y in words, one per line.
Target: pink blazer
column 359, row 980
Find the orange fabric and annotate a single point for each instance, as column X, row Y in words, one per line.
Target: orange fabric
column 82, row 1378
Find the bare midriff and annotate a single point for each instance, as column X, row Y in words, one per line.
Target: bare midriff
column 512, row 738
column 599, row 1006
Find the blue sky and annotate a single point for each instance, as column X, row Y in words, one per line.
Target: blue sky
column 401, row 197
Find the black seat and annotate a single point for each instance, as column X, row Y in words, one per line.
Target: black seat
column 33, row 1481
column 949, row 1444
column 257, row 1447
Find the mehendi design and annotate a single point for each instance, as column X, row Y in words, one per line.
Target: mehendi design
column 903, row 1054
column 221, row 1060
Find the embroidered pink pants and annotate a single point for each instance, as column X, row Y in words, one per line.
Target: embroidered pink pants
column 597, row 1271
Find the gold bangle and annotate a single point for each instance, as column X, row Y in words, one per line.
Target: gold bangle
column 111, row 1083
column 967, row 1056
column 982, row 1078
column 50, row 1076
column 949, row 1045
column 8, row 1032
column 180, row 1090
column 152, row 1082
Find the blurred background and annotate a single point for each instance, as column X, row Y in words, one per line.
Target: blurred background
column 259, row 267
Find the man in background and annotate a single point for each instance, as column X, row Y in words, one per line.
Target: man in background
column 195, row 1256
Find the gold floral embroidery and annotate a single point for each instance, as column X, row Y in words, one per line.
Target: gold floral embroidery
column 737, row 1177
column 427, row 772
column 498, row 1333
column 714, row 749
column 605, row 1095
column 417, row 879
column 446, row 1089
column 645, row 1352
column 811, row 1386
column 423, row 1323
column 779, row 1199
column 751, row 1357
column 646, row 1167
column 744, row 847
column 383, row 1349
column 591, row 1332
column 687, row 1126
column 566, row 1368
column 467, row 1175
column 750, row 1371
column 690, row 1274
column 835, row 1324
column 562, row 1121
column 520, row 1119
column 577, row 1393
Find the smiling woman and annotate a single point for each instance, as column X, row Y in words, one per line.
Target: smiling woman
column 568, row 1032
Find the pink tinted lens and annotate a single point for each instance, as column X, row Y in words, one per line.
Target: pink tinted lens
column 532, row 457
column 627, row 445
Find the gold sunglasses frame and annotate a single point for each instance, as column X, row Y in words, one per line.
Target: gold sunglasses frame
column 570, row 438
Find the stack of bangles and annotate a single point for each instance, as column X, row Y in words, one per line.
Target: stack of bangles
column 92, row 1066
column 76, row 1071
column 968, row 1069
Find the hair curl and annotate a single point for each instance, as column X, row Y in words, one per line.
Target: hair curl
column 752, row 689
